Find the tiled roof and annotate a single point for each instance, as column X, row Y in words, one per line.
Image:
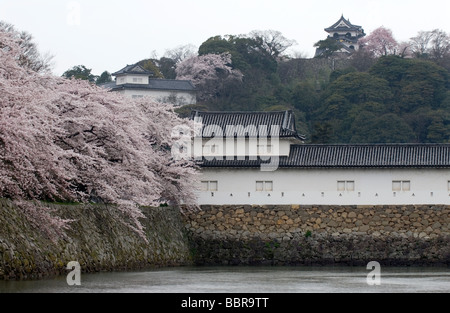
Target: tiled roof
column 171, row 84
column 159, row 84
column 249, row 124
column 133, row 69
column 335, row 27
column 108, row 85
column 154, row 84
column 354, row 156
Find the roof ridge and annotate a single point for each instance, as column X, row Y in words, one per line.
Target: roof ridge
column 168, row 79
column 347, row 21
column 375, row 145
column 129, row 67
column 363, row 156
column 244, row 112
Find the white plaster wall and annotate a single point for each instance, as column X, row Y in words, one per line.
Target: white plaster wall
column 319, row 187
column 129, row 79
column 241, row 147
column 180, row 97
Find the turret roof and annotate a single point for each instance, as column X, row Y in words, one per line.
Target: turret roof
column 133, row 69
column 343, row 25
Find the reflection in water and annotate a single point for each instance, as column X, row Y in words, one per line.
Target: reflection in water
column 246, row 280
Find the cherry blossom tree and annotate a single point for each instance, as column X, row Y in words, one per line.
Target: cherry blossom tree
column 380, row 42
column 69, row 140
column 209, row 73
column 30, row 56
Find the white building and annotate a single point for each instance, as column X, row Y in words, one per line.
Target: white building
column 136, row 82
column 346, row 34
column 283, row 171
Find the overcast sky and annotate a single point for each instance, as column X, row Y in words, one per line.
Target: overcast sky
column 109, row 34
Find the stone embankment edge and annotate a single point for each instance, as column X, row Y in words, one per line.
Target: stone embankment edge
column 320, row 235
column 98, row 239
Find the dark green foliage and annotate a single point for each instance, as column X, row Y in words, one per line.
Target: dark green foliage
column 362, row 100
column 356, row 89
column 387, row 128
column 397, row 100
column 327, row 47
column 149, row 65
column 415, row 83
column 322, row 133
column 80, row 72
column 340, row 72
column 167, row 68
column 246, row 53
column 259, row 89
column 105, row 77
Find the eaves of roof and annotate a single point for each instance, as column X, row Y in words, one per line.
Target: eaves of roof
column 248, row 124
column 351, row 156
column 161, row 84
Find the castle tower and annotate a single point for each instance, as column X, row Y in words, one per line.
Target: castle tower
column 346, row 33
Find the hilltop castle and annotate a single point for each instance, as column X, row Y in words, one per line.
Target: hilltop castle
column 346, row 34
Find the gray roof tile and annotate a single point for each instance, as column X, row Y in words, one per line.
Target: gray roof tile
column 335, row 27
column 354, row 156
column 219, row 122
column 155, row 84
column 133, row 69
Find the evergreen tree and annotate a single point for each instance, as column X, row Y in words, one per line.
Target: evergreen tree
column 80, row 72
column 105, row 77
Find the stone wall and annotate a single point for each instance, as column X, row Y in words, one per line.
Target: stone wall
column 281, row 235
column 97, row 239
column 225, row 235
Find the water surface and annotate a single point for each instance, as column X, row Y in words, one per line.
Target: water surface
column 246, row 280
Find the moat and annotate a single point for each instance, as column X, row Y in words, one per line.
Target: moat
column 247, row 280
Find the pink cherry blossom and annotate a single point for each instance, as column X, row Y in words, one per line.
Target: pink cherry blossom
column 68, row 140
column 380, row 42
column 208, row 73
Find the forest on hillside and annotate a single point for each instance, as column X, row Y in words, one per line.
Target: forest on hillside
column 368, row 98
column 397, row 93
column 386, row 92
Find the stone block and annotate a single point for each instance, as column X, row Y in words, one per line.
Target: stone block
column 364, row 228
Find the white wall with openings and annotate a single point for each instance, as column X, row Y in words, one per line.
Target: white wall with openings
column 325, row 187
column 132, row 79
column 178, row 98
